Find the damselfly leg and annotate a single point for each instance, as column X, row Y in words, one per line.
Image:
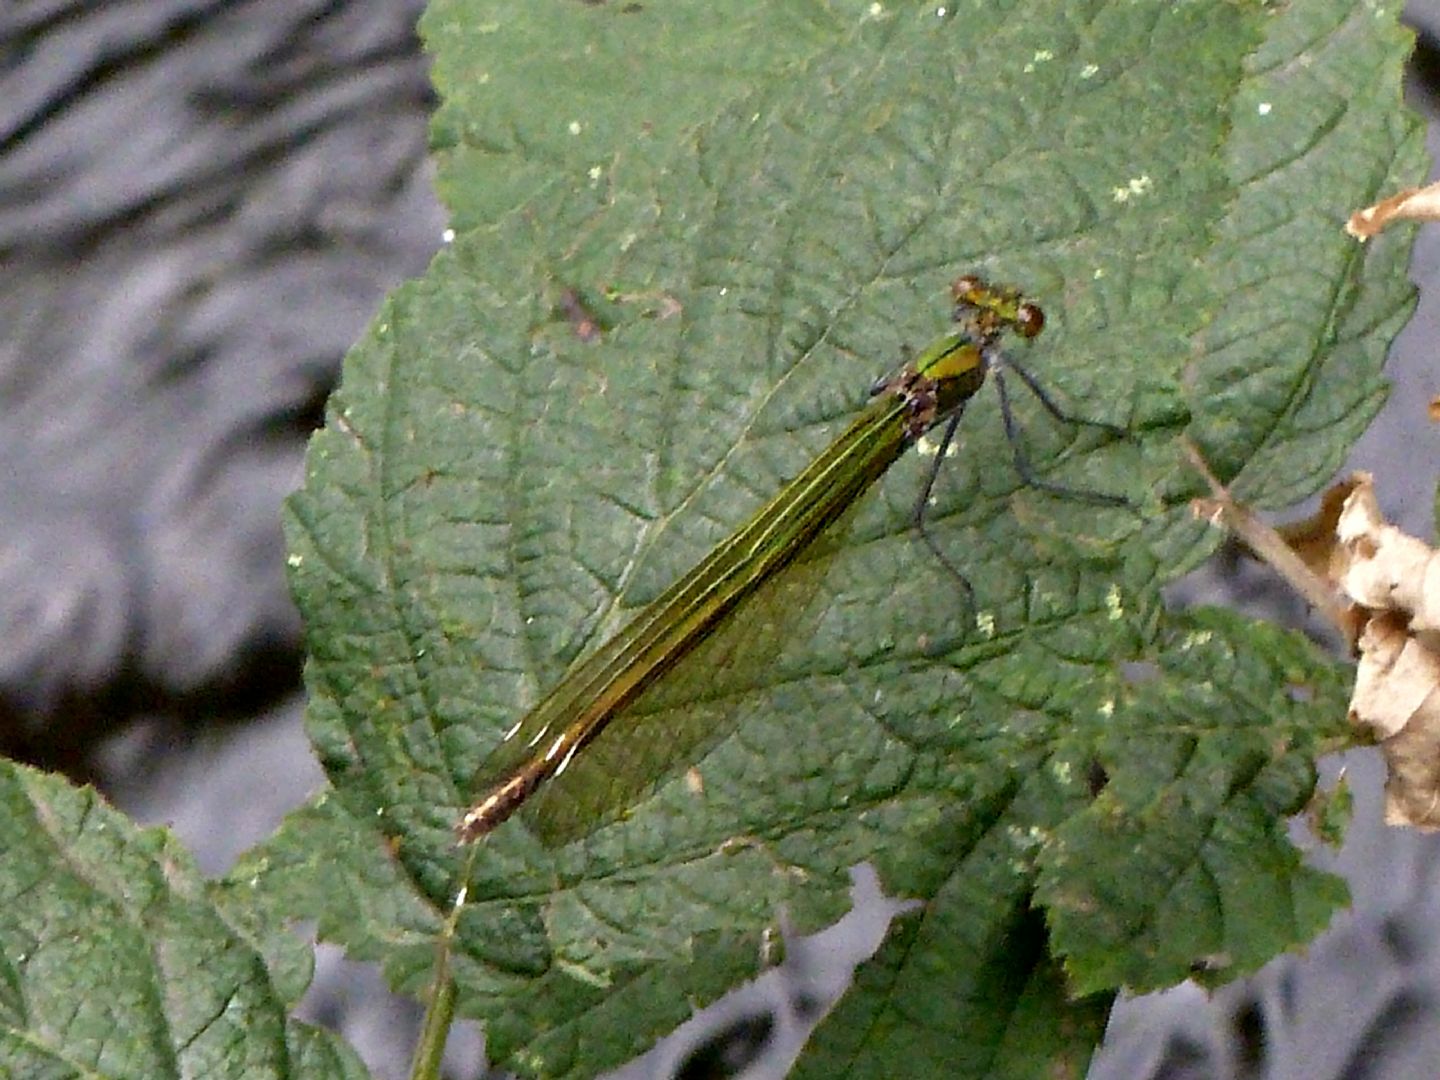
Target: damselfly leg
column 999, row 366
column 983, row 311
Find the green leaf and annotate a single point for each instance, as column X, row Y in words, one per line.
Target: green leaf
column 114, row 962
column 1181, row 866
column 497, row 490
column 324, row 866
column 559, row 95
column 1283, row 389
column 968, row 985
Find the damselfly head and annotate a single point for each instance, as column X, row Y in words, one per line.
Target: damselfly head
column 987, row 310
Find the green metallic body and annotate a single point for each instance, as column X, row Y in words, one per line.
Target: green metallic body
column 930, row 390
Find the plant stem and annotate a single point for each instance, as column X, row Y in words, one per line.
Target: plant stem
column 440, row 1009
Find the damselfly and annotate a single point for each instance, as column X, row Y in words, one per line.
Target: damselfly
column 931, row 389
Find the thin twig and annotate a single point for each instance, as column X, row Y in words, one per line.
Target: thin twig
column 1270, row 548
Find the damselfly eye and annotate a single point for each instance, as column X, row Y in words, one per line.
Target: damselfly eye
column 964, row 288
column 1029, row 319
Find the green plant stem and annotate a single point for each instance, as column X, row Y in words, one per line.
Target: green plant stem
column 439, row 1012
column 440, row 1009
